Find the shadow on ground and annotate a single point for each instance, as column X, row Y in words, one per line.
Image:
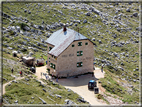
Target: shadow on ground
column 80, row 81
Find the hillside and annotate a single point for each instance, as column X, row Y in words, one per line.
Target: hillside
column 112, row 27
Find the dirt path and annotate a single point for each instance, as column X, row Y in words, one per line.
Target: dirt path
column 18, row 78
column 78, row 85
column 40, row 70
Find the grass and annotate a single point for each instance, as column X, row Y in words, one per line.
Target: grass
column 38, row 15
column 113, row 87
column 100, row 96
column 23, row 93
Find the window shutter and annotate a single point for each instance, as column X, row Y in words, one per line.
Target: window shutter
column 77, row 64
column 77, row 53
column 54, row 66
column 81, row 52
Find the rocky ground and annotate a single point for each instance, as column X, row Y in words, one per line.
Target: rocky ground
column 112, row 27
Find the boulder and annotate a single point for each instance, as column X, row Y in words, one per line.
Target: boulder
column 85, row 21
column 135, row 14
column 128, row 10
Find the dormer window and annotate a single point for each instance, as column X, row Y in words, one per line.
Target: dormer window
column 50, row 48
column 86, row 43
column 79, row 43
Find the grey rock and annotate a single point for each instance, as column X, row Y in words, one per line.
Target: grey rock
column 10, row 48
column 135, row 14
column 75, row 24
column 26, row 79
column 58, row 96
column 69, row 102
column 26, row 28
column 85, row 21
column 100, row 41
column 93, row 39
column 128, row 10
column 16, row 101
column 44, row 90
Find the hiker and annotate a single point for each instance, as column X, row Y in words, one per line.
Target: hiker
column 21, row 73
column 102, row 69
column 46, row 77
column 12, row 70
column 41, row 74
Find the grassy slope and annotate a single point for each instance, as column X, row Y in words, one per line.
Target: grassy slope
column 38, row 15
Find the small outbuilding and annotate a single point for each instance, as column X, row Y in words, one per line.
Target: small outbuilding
column 29, row 61
column 40, row 62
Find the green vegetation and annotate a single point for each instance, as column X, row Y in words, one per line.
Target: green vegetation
column 112, row 86
column 94, row 28
column 100, row 96
column 23, row 91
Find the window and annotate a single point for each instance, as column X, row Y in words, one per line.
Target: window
column 79, row 53
column 49, row 59
column 52, row 56
column 52, row 65
column 50, row 48
column 79, row 64
column 72, row 45
column 86, row 43
column 79, row 43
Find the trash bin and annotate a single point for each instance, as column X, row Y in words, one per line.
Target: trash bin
column 96, row 90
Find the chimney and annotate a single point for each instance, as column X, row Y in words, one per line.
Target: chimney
column 64, row 29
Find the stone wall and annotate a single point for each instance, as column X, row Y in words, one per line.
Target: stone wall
column 67, row 60
column 52, row 60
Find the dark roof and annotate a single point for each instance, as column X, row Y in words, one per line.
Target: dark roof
column 61, row 40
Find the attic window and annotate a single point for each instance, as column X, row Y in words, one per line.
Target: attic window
column 79, row 53
column 50, row 48
column 86, row 43
column 79, row 64
column 79, row 43
column 72, row 45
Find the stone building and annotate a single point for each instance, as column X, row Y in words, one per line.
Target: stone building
column 69, row 53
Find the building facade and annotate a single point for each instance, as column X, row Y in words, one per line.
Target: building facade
column 69, row 53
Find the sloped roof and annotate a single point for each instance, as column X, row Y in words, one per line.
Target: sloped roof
column 61, row 40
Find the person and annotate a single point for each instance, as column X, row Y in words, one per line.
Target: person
column 41, row 74
column 102, row 69
column 46, row 77
column 12, row 70
column 20, row 73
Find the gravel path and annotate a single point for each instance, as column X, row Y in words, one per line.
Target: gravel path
column 78, row 85
column 18, row 78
